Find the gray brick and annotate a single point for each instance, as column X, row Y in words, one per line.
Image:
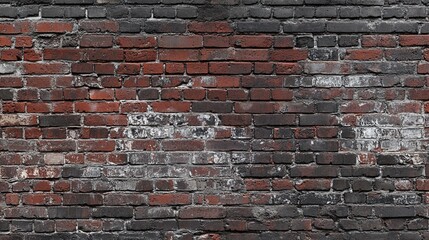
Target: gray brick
column 129, row 27
column 143, row 1
column 256, row 27
column 323, row 54
column 187, row 12
column 164, row 12
column 304, row 27
column 249, row 2
column 8, row 12
column 117, row 12
column 213, row 13
column 283, row 2
column 327, row 12
column 393, row 12
column 396, row 27
column 28, row 11
column 348, row 41
column 366, row 2
column 74, row 12
column 140, row 12
column 304, row 42
column 349, row 12
column 97, row 12
column 416, row 12
column 260, row 12
column 325, row 2
column 327, row 41
column 69, row 212
column 424, row 28
column 164, row 27
column 77, row 2
column 6, row 94
column 238, row 12
column 283, row 13
column 349, row 27
column 113, row 212
column 370, row 12
column 394, row 212
column 305, row 12
column 52, row 12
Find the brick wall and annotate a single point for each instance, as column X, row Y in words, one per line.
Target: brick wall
column 214, row 119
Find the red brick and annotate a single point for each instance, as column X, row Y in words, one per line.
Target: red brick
column 128, row 69
column 197, row 68
column 104, row 68
column 414, row 40
column 136, row 42
column 24, row 41
column 283, row 42
column 53, row 27
column 102, row 94
column 289, row 55
column 10, row 82
column 41, row 199
column 32, row 55
column 419, row 94
column 46, row 68
column 194, row 94
column 260, row 41
column 174, row 68
column 378, row 41
column 105, row 120
column 97, row 106
column 210, row 27
column 264, row 68
column 182, row 145
column 364, row 54
column 140, row 55
column 288, row 68
column 15, row 27
column 251, row 55
column 128, row 107
column 179, row 55
column 169, row 199
column 217, row 41
column 11, row 54
column 153, row 68
column 90, row 40
column 230, row 68
column 5, row 42
column 104, row 55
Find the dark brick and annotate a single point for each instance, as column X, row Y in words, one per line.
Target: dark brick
column 256, row 27
column 113, row 212
column 212, row 12
column 140, row 12
column 69, row 212
column 164, row 27
column 395, row 212
column 348, row 41
column 59, row 120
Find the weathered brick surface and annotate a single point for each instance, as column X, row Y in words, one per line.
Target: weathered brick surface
column 208, row 119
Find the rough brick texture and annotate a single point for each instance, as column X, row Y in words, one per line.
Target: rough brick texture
column 214, row 119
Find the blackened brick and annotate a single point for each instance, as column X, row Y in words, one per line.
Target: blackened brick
column 113, row 212
column 59, row 120
column 256, row 27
